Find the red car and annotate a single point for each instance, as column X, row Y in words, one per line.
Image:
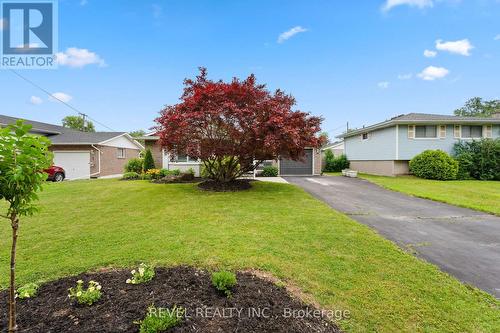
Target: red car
column 56, row 174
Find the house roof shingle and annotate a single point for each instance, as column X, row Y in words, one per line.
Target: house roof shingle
column 412, row 118
column 63, row 135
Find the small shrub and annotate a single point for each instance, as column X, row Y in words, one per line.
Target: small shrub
column 134, row 165
column 131, row 176
column 434, row 164
column 85, row 296
column 335, row 164
column 166, row 172
column 160, row 319
column 479, row 159
column 154, row 173
column 144, row 273
column 149, row 162
column 224, row 281
column 27, row 291
column 269, row 171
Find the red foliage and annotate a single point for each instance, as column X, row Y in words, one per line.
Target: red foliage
column 239, row 119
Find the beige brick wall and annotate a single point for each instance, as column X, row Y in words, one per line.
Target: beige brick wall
column 111, row 164
column 317, row 161
column 156, row 151
column 382, row 168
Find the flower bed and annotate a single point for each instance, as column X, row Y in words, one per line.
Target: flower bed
column 255, row 305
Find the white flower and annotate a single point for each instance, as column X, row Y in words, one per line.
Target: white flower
column 133, row 271
column 91, row 288
column 141, row 271
column 128, row 281
column 98, row 287
column 78, row 294
column 79, row 281
column 26, row 294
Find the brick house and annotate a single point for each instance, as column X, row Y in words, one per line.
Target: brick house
column 310, row 165
column 85, row 155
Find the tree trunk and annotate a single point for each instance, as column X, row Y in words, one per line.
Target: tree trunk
column 12, row 291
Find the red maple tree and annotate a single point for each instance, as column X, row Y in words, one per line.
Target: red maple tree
column 229, row 125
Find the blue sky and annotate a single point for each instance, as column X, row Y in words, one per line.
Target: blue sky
column 349, row 61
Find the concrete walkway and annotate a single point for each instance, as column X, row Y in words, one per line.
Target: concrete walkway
column 462, row 242
column 272, row 179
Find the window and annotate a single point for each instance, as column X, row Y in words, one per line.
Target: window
column 120, row 152
column 364, row 136
column 442, row 131
column 183, row 159
column 411, row 131
column 426, row 131
column 472, row 131
column 488, row 131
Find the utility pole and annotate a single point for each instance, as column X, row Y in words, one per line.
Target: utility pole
column 347, row 127
column 83, row 117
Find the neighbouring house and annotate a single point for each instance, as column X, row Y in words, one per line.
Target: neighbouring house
column 82, row 154
column 309, row 165
column 387, row 147
column 337, row 149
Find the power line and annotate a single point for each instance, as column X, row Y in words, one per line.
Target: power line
column 65, row 103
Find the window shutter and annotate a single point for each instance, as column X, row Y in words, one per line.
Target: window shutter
column 456, row 131
column 411, row 131
column 487, row 131
column 442, row 131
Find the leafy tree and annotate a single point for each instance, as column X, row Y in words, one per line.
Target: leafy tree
column 335, row 164
column 78, row 123
column 228, row 125
column 479, row 159
column 475, row 107
column 23, row 157
column 137, row 133
column 149, row 162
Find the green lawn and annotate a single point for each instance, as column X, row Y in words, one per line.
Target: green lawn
column 278, row 228
column 475, row 194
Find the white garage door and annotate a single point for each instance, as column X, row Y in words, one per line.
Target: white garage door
column 76, row 164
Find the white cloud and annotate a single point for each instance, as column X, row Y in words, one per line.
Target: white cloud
column 389, row 4
column 497, row 37
column 290, row 33
column 75, row 57
column 35, row 100
column 383, row 85
column 461, row 47
column 406, row 76
column 60, row 97
column 430, row 54
column 432, row 73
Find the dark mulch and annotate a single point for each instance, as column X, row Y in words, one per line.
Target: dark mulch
column 235, row 185
column 122, row 304
column 176, row 180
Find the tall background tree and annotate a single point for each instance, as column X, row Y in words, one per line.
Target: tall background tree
column 78, row 123
column 228, row 125
column 137, row 134
column 23, row 157
column 476, row 107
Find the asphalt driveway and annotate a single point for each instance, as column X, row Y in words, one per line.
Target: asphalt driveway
column 462, row 242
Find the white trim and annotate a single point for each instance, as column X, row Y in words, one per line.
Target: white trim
column 71, row 151
column 128, row 136
column 99, row 161
column 397, row 142
column 313, row 153
column 118, row 175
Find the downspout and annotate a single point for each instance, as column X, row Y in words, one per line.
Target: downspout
column 98, row 160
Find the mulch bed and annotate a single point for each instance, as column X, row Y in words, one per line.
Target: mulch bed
column 122, row 304
column 235, row 185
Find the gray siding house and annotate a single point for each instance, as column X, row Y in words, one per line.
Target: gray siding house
column 387, row 147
